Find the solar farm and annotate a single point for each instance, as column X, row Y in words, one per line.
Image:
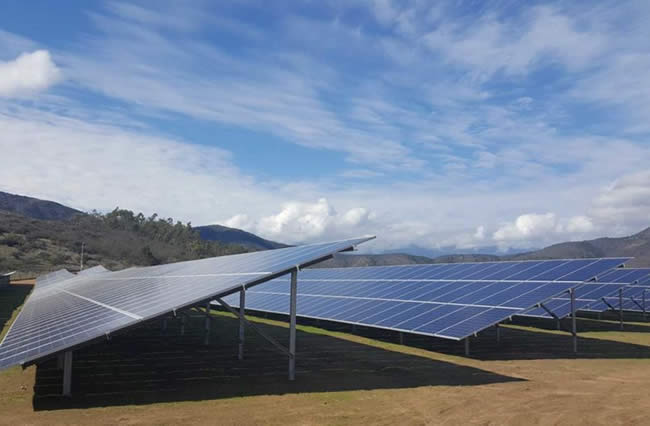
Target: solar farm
column 249, row 337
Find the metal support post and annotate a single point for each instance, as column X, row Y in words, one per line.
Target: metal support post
column 572, row 293
column 498, row 329
column 645, row 313
column 67, row 373
column 354, row 328
column 242, row 309
column 292, row 324
column 466, row 346
column 401, row 338
column 206, row 340
column 164, row 325
column 620, row 306
column 558, row 324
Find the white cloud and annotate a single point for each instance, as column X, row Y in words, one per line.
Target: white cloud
column 480, row 233
column 526, row 227
column 305, row 221
column 29, row 72
column 515, row 46
column 624, row 206
column 241, row 221
column 580, row 224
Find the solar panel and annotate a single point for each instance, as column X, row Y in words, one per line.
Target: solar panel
column 636, row 298
column 590, row 295
column 450, row 301
column 99, row 269
column 77, row 310
column 625, row 275
column 585, row 295
column 46, row 280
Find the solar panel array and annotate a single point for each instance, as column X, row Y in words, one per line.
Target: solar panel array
column 451, row 301
column 52, row 278
column 636, row 296
column 590, row 295
column 99, row 269
column 65, row 312
column 585, row 295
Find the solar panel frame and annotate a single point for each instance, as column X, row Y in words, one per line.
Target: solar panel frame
column 590, row 295
column 65, row 293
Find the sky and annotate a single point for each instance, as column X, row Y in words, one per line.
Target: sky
column 455, row 126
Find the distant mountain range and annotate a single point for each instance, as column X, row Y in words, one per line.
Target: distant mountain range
column 35, row 208
column 637, row 246
column 231, row 240
column 228, row 235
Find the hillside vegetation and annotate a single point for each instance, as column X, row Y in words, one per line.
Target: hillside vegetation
column 116, row 240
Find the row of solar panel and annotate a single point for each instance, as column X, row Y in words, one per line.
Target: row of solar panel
column 435, row 319
column 636, row 298
column 449, row 309
column 422, row 283
column 601, row 295
column 585, row 294
column 67, row 310
column 576, row 270
column 515, row 295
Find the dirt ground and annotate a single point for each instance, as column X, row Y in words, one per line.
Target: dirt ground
column 148, row 376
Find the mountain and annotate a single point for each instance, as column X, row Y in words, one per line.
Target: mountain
column 35, row 208
column 343, row 260
column 637, row 246
column 228, row 235
column 117, row 240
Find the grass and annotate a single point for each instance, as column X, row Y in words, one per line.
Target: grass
column 530, row 377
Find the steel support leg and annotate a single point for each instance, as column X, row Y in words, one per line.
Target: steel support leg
column 498, row 329
column 574, row 333
column 401, row 338
column 67, row 373
column 558, row 324
column 620, row 306
column 466, row 346
column 206, row 340
column 645, row 313
column 292, row 324
column 242, row 329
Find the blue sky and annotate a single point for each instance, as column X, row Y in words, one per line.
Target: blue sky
column 452, row 125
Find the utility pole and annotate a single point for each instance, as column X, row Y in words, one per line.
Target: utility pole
column 81, row 264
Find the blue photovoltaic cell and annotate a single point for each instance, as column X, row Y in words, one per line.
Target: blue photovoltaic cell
column 65, row 310
column 586, row 294
column 444, row 300
column 594, row 270
column 635, row 298
column 625, row 275
column 590, row 295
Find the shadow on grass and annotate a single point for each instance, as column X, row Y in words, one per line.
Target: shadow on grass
column 11, row 297
column 144, row 367
column 515, row 343
column 584, row 324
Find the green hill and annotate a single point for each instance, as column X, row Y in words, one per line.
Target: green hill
column 116, row 240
